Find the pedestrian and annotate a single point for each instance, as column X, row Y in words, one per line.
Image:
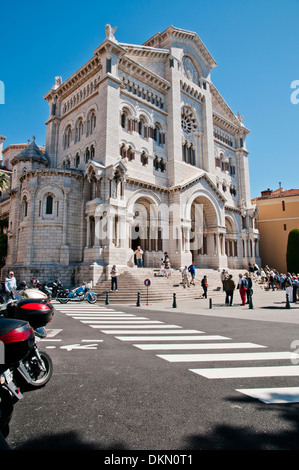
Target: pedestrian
column 204, row 285
column 295, row 284
column 167, row 266
column 249, row 290
column 271, row 280
column 162, row 270
column 229, row 286
column 10, row 285
column 223, row 277
column 191, row 270
column 242, row 289
column 289, row 287
column 139, row 259
column 114, row 274
column 185, row 277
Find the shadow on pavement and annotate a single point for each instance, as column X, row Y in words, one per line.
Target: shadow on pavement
column 225, row 437
column 64, row 441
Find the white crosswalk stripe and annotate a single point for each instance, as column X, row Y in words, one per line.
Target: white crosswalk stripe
column 157, row 336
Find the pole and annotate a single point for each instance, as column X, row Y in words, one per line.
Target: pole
column 138, row 300
column 174, row 305
column 250, row 300
column 210, row 303
column 107, row 298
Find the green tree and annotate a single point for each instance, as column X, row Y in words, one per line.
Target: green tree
column 293, row 251
column 4, row 181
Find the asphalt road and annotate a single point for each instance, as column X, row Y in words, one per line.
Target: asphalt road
column 109, row 392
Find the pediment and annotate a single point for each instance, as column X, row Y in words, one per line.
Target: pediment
column 100, row 170
column 188, row 183
column 188, row 41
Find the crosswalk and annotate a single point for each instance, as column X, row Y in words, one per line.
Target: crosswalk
column 175, row 344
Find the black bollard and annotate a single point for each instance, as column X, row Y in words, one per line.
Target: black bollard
column 138, row 300
column 210, row 303
column 174, row 305
column 288, row 302
column 250, row 300
column 107, row 298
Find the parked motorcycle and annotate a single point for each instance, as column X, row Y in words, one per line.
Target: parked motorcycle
column 16, row 341
column 31, row 292
column 36, row 369
column 23, row 366
column 76, row 295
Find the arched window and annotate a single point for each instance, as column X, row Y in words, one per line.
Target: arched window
column 49, row 204
column 130, row 154
column 87, row 154
column 123, row 151
column 156, row 163
column 67, row 137
column 77, row 160
column 25, row 206
column 142, row 127
column 79, row 130
column 159, row 136
column 92, row 152
column 91, row 122
column 188, row 153
column 125, row 120
column 144, row 158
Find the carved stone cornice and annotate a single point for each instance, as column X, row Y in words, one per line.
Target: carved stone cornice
column 91, row 67
column 143, row 74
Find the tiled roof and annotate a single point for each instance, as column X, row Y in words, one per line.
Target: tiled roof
column 278, row 193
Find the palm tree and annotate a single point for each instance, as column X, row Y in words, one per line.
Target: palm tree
column 4, row 181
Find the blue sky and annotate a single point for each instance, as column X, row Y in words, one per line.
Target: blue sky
column 255, row 44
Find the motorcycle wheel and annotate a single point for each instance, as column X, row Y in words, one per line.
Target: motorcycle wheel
column 92, row 298
column 62, row 300
column 39, row 378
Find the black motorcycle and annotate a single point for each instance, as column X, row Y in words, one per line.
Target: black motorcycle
column 23, row 366
column 36, row 369
column 16, row 342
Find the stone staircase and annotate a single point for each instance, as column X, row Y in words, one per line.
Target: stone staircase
column 131, row 282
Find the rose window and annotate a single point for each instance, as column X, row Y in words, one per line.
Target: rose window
column 188, row 123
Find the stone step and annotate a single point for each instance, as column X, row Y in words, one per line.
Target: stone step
column 130, row 283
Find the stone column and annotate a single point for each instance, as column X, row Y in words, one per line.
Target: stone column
column 64, row 249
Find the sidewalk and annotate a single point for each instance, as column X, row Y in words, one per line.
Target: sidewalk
column 267, row 306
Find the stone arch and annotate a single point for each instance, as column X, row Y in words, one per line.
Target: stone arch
column 202, row 231
column 231, row 241
column 144, row 229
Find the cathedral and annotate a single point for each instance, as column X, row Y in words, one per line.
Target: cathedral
column 141, row 150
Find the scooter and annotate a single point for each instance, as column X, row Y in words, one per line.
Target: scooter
column 76, row 295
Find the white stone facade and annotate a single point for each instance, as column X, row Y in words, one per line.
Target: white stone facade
column 141, row 149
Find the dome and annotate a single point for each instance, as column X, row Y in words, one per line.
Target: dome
column 33, row 153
